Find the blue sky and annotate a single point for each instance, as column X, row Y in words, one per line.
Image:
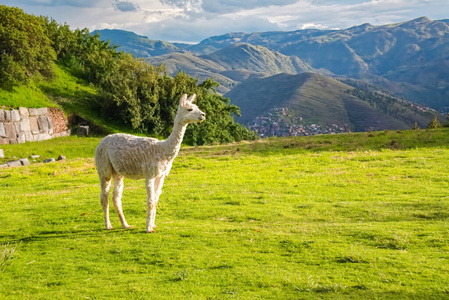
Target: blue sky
column 195, row 20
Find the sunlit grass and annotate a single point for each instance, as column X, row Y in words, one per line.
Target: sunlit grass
column 236, row 221
column 61, row 88
column 29, row 96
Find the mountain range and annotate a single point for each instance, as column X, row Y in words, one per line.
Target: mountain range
column 410, row 60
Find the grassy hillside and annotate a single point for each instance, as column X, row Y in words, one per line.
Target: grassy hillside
column 341, row 217
column 64, row 90
column 257, row 59
column 322, row 100
column 25, row 96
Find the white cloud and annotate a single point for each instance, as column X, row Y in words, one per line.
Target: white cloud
column 224, row 6
column 194, row 20
column 313, row 26
column 196, row 29
column 339, row 14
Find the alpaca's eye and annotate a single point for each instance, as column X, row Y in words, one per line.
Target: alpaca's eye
column 189, row 109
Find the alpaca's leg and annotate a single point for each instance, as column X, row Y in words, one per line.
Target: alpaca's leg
column 151, row 204
column 105, row 184
column 117, row 199
column 158, row 183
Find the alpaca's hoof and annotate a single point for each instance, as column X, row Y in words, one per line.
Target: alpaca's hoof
column 150, row 231
column 127, row 227
column 109, row 228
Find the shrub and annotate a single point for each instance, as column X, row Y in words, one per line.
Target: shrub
column 25, row 50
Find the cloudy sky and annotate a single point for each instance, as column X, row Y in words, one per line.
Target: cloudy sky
column 194, row 20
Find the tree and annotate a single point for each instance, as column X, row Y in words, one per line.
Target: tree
column 434, row 123
column 25, row 49
column 130, row 91
column 146, row 98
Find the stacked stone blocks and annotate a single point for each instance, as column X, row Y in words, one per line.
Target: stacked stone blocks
column 31, row 124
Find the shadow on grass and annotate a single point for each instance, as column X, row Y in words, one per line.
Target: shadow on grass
column 221, row 267
column 66, row 234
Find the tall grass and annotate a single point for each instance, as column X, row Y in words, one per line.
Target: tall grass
column 6, row 254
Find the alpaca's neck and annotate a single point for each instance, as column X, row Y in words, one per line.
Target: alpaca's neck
column 173, row 143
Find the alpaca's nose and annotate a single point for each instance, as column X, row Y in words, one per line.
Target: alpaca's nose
column 203, row 115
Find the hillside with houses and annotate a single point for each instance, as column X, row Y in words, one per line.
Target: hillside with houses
column 281, row 121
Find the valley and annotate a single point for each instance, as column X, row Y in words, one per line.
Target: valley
column 406, row 60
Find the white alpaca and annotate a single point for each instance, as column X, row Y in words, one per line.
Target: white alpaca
column 123, row 155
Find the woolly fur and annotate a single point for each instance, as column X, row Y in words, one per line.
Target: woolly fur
column 124, row 155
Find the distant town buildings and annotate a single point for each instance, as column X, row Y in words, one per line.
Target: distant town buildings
column 281, row 121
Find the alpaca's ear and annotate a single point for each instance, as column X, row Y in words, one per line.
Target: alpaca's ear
column 183, row 100
column 191, row 98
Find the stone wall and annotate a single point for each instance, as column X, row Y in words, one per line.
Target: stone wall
column 31, row 124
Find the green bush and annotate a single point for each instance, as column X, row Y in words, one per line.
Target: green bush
column 434, row 123
column 25, row 49
column 130, row 91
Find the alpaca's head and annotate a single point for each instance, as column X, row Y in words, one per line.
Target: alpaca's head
column 189, row 112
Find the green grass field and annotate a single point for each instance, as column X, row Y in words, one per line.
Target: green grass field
column 356, row 216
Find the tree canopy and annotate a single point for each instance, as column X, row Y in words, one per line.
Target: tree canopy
column 139, row 95
column 25, row 49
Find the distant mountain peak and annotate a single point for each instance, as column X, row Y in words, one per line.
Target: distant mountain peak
column 416, row 22
column 421, row 20
column 118, row 33
column 364, row 26
column 138, row 45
